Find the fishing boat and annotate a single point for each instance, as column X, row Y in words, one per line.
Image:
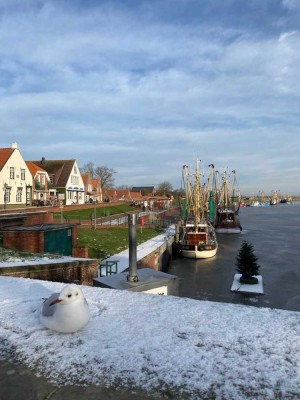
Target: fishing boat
column 195, row 235
column 275, row 198
column 227, row 204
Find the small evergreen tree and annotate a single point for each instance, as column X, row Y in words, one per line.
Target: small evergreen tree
column 246, row 263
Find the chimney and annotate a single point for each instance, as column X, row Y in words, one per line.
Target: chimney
column 132, row 276
column 43, row 161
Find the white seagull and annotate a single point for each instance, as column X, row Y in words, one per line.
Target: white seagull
column 67, row 311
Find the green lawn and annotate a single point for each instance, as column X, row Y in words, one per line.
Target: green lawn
column 105, row 242
column 101, row 242
column 85, row 213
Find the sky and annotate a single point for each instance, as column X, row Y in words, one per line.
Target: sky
column 145, row 87
column 188, row 348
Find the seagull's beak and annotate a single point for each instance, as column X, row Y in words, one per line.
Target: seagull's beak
column 55, row 302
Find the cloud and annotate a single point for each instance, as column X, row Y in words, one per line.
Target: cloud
column 149, row 86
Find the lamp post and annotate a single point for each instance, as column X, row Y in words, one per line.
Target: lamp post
column 95, row 217
column 5, row 194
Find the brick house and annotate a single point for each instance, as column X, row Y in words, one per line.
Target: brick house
column 92, row 189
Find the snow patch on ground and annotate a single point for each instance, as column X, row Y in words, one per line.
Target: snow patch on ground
column 191, row 348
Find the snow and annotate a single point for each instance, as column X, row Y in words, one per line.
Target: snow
column 19, row 262
column 237, row 286
column 190, row 348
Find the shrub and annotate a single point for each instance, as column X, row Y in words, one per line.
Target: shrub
column 246, row 264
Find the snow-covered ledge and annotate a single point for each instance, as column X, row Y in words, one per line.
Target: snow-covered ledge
column 203, row 349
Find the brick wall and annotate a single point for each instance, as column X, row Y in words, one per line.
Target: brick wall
column 38, row 218
column 80, row 252
column 79, row 271
column 160, row 258
column 31, row 242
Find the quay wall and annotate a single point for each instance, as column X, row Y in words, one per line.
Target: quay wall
column 160, row 258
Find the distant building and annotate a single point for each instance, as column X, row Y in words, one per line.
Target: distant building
column 144, row 190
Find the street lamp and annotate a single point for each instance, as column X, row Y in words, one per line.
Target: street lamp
column 5, row 194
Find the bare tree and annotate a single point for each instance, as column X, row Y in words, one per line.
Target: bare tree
column 164, row 188
column 88, row 168
column 106, row 176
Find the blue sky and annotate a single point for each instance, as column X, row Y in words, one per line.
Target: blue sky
column 145, row 87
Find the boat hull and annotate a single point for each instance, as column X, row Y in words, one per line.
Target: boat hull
column 228, row 230
column 196, row 253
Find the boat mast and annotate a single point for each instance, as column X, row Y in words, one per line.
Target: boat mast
column 235, row 195
column 188, row 191
column 197, row 194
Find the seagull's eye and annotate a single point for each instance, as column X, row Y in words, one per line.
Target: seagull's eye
column 69, row 295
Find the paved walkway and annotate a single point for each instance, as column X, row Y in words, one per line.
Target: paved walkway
column 19, row 383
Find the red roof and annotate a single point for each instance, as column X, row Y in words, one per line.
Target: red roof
column 84, row 178
column 95, row 182
column 33, row 168
column 5, row 154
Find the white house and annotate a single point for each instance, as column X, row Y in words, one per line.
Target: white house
column 65, row 180
column 40, row 183
column 15, row 179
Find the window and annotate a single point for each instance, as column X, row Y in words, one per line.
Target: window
column 12, row 173
column 43, row 179
column 19, row 195
column 75, row 169
column 22, row 174
column 6, row 195
column 74, row 180
column 51, row 177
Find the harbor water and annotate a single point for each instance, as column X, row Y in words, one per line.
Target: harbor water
column 274, row 232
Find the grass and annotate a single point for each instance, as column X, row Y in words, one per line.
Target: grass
column 101, row 243
column 105, row 242
column 86, row 213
